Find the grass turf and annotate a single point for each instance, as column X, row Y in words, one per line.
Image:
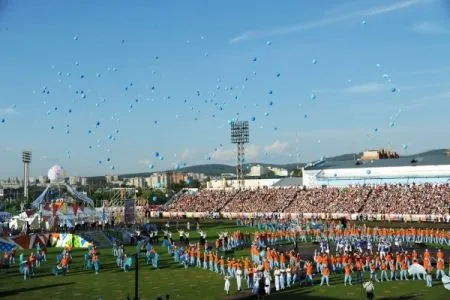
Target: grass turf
column 180, row 283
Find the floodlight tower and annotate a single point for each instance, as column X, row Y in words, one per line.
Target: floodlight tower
column 26, row 159
column 240, row 136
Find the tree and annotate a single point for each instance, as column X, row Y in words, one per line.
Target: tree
column 297, row 173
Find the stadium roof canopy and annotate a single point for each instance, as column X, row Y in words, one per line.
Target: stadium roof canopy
column 427, row 160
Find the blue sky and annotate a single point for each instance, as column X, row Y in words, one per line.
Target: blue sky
column 187, row 67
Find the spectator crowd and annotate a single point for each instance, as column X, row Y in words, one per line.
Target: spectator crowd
column 424, row 199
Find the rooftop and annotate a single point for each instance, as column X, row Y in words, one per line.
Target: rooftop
column 419, row 160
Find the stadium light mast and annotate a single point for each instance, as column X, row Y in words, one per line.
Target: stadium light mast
column 240, row 136
column 26, row 159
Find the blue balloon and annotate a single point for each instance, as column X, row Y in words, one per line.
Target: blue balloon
column 314, row 61
column 89, row 131
column 305, row 116
column 392, row 124
column 108, row 159
column 271, row 103
column 253, row 119
column 81, row 76
column 270, row 92
column 278, row 74
column 266, row 114
column 51, row 128
column 268, row 43
column 99, row 161
column 254, row 59
column 393, row 90
column 98, row 123
column 3, row 120
column 150, row 166
column 404, row 146
column 70, row 111
column 376, row 130
column 313, row 96
column 156, row 154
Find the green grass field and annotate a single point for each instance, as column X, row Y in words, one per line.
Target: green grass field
column 180, row 283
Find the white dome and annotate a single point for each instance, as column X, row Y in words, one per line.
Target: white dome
column 56, row 173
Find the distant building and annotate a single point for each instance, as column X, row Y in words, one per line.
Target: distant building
column 159, row 180
column 43, row 179
column 279, row 171
column 137, row 182
column 74, row 180
column 258, row 170
column 84, row 181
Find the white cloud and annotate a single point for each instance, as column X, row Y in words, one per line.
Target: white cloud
column 430, row 28
column 228, row 155
column 256, row 34
column 370, row 87
column 7, row 111
column 277, row 147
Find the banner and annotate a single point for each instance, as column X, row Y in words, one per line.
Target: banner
column 129, row 211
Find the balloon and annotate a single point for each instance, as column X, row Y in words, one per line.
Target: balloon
column 150, row 166
column 108, row 159
column 378, row 65
column 404, row 146
column 55, row 173
column 268, row 43
column 313, row 96
column 81, row 76
column 161, row 158
column 89, row 131
column 270, row 103
column 98, row 75
column 266, row 114
column 3, row 120
column 52, row 127
column 70, row 111
column 368, row 172
column 99, row 161
column 376, row 130
column 98, row 123
column 156, row 154
column 392, row 124
column 112, row 168
column 314, row 61
column 278, row 74
column 275, row 128
column 270, row 92
column 393, row 90
column 305, row 116
column 253, row 119
column 363, row 22
column 155, row 198
column 254, row 59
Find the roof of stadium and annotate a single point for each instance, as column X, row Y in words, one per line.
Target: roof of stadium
column 419, row 160
column 289, row 181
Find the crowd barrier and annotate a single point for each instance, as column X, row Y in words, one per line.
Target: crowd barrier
column 322, row 216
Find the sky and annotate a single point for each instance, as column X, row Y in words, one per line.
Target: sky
column 114, row 87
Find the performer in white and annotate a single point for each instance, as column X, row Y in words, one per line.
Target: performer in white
column 277, row 273
column 370, row 288
column 227, row 284
column 267, row 280
column 239, row 278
